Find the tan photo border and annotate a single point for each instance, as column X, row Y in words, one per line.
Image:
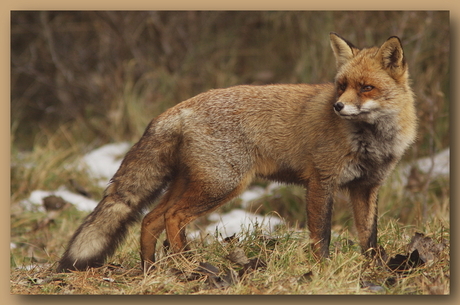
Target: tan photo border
column 8, row 5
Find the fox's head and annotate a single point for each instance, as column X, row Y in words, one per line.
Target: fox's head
column 369, row 82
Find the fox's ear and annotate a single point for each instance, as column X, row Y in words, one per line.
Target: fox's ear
column 343, row 49
column 391, row 56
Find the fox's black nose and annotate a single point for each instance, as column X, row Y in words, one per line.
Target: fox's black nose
column 338, row 106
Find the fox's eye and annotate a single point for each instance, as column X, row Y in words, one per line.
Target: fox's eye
column 342, row 87
column 366, row 88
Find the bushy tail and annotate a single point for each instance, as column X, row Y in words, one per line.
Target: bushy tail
column 141, row 178
column 100, row 234
column 97, row 237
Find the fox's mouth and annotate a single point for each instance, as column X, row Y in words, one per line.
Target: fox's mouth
column 352, row 115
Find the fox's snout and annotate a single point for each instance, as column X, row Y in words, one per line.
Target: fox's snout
column 367, row 111
column 338, row 106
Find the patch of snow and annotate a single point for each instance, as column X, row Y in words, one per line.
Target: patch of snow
column 251, row 194
column 103, row 162
column 35, row 199
column 236, row 221
column 100, row 164
column 440, row 163
column 256, row 192
column 272, row 187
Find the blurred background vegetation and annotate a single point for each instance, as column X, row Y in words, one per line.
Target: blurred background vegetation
column 109, row 73
column 83, row 79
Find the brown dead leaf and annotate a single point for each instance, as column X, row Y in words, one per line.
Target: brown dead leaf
column 421, row 250
column 252, row 265
column 207, row 269
column 231, row 239
column 306, row 277
column 54, row 203
column 405, row 263
column 210, row 274
column 428, row 249
column 238, row 256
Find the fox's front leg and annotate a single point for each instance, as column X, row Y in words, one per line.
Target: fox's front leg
column 319, row 214
column 365, row 209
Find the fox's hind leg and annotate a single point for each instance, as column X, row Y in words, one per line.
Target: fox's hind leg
column 193, row 204
column 153, row 223
column 152, row 226
column 185, row 211
column 183, row 203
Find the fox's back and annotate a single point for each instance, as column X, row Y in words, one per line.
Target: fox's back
column 269, row 130
column 252, row 111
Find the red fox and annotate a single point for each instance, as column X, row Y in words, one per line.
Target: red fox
column 206, row 150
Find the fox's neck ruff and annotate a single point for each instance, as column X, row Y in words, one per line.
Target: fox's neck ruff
column 378, row 142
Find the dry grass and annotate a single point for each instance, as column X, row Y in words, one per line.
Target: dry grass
column 289, row 269
column 289, row 266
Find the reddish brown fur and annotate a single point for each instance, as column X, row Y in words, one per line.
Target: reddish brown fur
column 206, row 150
